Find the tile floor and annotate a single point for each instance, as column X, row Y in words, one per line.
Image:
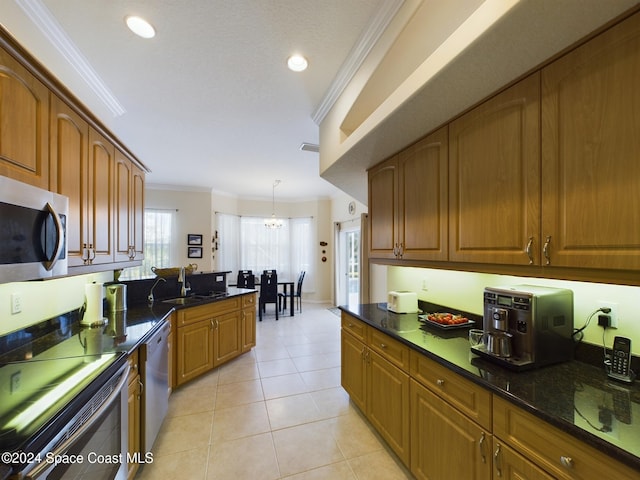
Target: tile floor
column 276, row 412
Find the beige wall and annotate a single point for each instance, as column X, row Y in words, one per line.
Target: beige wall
column 193, row 215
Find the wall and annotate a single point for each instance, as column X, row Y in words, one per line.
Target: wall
column 193, row 215
column 464, row 291
column 319, row 209
column 42, row 300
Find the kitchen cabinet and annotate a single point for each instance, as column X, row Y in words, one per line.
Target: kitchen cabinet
column 129, row 210
column 444, row 443
column 134, row 413
column 211, row 334
column 248, row 322
column 82, row 165
column 590, row 152
column 556, row 452
column 171, row 349
column 24, row 117
column 510, row 465
column 494, row 179
column 408, row 202
column 374, row 374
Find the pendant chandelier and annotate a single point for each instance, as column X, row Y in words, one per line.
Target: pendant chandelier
column 273, row 222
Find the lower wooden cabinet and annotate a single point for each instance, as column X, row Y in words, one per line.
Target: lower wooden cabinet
column 209, row 335
column 248, row 322
column 444, row 443
column 510, row 465
column 134, row 412
column 558, row 453
column 376, row 385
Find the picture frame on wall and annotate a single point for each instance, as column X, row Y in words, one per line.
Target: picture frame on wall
column 194, row 239
column 194, row 252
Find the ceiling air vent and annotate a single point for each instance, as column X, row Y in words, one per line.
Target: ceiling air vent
column 309, row 147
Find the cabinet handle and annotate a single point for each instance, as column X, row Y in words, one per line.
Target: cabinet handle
column 141, row 386
column 92, row 253
column 528, row 250
column 401, row 250
column 85, row 254
column 440, row 382
column 545, row 250
column 382, row 345
column 483, row 456
column 497, row 461
column 567, row 462
column 212, row 327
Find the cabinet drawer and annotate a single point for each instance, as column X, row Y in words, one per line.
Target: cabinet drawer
column 192, row 315
column 134, row 365
column 560, row 454
column 248, row 300
column 389, row 348
column 469, row 398
column 355, row 327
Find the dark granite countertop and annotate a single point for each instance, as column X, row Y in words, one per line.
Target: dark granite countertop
column 576, row 397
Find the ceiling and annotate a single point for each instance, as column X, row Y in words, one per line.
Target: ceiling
column 209, row 102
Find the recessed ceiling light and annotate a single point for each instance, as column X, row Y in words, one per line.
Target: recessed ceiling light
column 140, row 26
column 297, row 63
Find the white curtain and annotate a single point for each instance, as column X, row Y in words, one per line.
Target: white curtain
column 246, row 244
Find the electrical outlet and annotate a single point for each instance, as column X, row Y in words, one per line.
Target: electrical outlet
column 613, row 314
column 16, row 303
column 15, row 382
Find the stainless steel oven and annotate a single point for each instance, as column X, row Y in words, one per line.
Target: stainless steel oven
column 86, row 439
column 32, row 232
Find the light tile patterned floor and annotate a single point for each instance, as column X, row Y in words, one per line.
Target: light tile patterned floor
column 276, row 412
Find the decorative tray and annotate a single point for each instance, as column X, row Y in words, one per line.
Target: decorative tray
column 446, row 321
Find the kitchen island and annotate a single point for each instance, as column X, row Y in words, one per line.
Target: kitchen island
column 574, row 399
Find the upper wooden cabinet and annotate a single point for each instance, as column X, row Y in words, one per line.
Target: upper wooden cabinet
column 24, row 116
column 591, row 152
column 129, row 211
column 82, row 169
column 408, row 202
column 494, row 183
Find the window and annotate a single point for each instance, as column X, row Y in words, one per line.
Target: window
column 245, row 243
column 158, row 243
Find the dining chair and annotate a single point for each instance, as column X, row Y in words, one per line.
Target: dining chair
column 268, row 293
column 246, row 279
column 297, row 294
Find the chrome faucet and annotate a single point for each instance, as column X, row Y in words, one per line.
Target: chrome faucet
column 150, row 298
column 182, row 279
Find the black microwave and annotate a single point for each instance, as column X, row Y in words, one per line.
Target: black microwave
column 33, row 232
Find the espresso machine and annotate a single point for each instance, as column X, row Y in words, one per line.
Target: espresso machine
column 527, row 326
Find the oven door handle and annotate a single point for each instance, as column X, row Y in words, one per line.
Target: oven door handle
column 50, row 263
column 33, row 474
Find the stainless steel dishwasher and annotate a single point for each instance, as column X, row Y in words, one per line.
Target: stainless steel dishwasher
column 155, row 368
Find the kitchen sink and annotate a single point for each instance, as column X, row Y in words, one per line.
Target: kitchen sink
column 186, row 300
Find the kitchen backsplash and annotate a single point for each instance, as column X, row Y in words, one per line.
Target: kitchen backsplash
column 464, row 291
column 40, row 300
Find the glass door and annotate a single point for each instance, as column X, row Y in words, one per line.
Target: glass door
column 348, row 271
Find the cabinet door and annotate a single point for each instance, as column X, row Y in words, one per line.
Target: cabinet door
column 423, row 201
column 388, row 403
column 249, row 327
column 444, row 443
column 591, row 152
column 383, row 221
column 68, row 164
column 137, row 213
column 24, row 117
column 494, row 182
column 352, row 367
column 122, row 210
column 194, row 350
column 100, row 190
column 133, row 402
column 509, row 465
column 227, row 337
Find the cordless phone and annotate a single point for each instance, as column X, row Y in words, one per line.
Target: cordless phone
column 620, row 368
